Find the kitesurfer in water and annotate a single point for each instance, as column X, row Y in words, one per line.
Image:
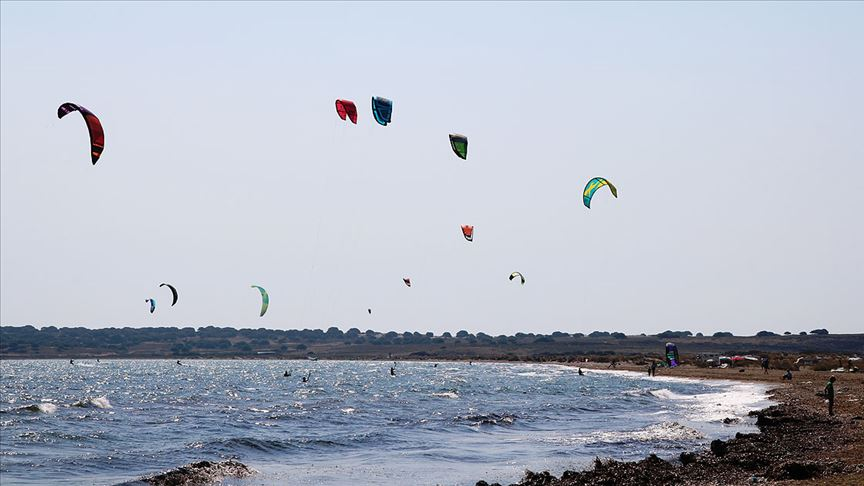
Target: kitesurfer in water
column 179, row 363
column 580, row 372
column 287, row 373
column 72, row 361
column 392, row 371
column 306, row 378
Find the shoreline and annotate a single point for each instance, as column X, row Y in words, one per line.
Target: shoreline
column 798, row 442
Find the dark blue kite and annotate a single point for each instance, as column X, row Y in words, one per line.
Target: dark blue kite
column 382, row 108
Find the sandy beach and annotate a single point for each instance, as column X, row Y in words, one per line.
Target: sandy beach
column 799, row 442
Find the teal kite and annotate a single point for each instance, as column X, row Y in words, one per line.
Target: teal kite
column 459, row 143
column 382, row 109
column 152, row 304
column 591, row 188
column 265, row 299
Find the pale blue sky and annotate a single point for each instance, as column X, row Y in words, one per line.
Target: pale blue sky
column 732, row 131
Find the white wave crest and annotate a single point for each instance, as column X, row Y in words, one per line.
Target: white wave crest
column 39, row 408
column 735, row 401
column 99, row 402
column 664, row 431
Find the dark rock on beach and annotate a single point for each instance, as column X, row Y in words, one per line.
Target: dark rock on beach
column 718, row 447
column 794, row 470
column 202, row 473
column 687, row 458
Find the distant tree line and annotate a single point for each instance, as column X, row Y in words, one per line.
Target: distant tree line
column 211, row 340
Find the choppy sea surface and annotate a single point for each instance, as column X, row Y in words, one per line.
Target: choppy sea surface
column 352, row 422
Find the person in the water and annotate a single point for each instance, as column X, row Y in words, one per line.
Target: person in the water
column 287, row 373
column 392, row 371
column 306, row 378
column 580, row 372
column 72, row 361
column 179, row 363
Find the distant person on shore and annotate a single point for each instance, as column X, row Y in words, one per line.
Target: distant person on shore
column 788, row 375
column 653, row 368
column 829, row 394
column 580, row 372
column 765, row 365
column 613, row 364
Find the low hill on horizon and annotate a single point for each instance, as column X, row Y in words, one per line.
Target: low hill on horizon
column 29, row 342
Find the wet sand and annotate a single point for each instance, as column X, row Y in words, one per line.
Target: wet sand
column 799, row 442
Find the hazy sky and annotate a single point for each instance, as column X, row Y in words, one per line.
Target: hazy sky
column 733, row 132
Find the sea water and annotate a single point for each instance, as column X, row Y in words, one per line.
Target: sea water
column 352, row 422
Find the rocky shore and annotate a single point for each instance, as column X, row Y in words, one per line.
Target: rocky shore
column 798, row 444
column 201, row 473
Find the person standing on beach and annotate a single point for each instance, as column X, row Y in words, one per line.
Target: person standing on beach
column 653, row 368
column 765, row 365
column 829, row 394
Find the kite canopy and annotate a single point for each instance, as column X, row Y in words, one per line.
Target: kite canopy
column 672, row 355
column 152, row 304
column 407, row 281
column 265, row 299
column 468, row 232
column 517, row 274
column 346, row 108
column 173, row 292
column 94, row 126
column 592, row 187
column 370, row 310
column 460, row 145
column 382, row 108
